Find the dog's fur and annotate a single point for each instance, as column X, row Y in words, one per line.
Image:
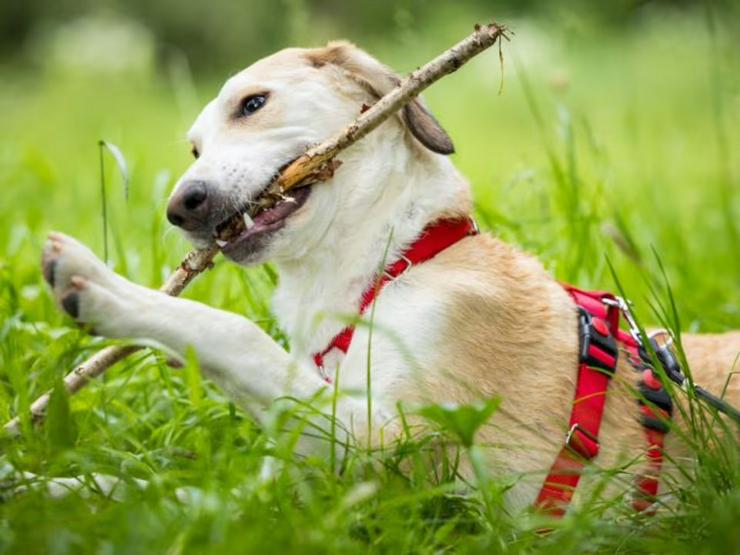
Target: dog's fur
column 481, row 319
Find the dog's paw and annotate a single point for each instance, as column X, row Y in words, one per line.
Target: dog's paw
column 84, row 287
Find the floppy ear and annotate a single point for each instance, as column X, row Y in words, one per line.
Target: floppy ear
column 425, row 127
column 377, row 79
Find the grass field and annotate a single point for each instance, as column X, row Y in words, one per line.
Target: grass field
column 621, row 147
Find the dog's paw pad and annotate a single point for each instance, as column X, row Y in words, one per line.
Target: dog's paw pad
column 49, row 270
column 71, row 304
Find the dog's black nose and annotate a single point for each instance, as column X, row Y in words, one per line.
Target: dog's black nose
column 188, row 208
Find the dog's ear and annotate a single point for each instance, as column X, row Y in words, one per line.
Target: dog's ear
column 426, row 128
column 377, row 79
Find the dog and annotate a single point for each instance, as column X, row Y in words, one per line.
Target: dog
column 478, row 319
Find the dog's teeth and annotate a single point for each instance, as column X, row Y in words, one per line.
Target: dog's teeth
column 248, row 221
column 221, row 243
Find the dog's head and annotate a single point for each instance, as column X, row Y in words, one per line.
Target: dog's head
column 266, row 116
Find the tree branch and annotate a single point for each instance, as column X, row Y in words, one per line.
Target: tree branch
column 314, row 166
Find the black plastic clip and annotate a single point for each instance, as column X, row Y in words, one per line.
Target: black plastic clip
column 590, row 335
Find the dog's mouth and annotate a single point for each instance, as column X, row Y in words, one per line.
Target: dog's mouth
column 242, row 233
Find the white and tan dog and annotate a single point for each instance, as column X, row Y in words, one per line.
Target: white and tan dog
column 479, row 319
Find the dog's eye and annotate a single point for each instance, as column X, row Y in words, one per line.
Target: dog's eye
column 253, row 103
column 195, row 152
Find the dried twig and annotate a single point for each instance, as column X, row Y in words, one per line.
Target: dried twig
column 315, row 165
column 315, row 159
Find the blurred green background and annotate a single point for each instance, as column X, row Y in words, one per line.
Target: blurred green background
column 615, row 132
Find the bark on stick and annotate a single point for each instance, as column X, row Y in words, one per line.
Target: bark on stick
column 315, row 165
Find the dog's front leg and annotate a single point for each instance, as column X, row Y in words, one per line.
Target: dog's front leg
column 240, row 357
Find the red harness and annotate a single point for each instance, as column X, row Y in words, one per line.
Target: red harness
column 600, row 338
column 434, row 239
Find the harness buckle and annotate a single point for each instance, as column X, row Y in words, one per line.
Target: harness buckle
column 476, row 229
column 594, row 337
column 390, row 277
column 581, row 450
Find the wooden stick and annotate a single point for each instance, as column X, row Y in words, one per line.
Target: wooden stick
column 313, row 161
column 315, row 165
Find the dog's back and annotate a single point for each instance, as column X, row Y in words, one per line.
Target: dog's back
column 510, row 330
column 715, row 363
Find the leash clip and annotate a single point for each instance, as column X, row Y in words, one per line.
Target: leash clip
column 625, row 307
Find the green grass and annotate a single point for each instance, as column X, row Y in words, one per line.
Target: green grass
column 600, row 148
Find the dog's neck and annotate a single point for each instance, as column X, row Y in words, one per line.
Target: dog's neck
column 382, row 209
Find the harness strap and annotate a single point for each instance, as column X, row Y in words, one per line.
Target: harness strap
column 656, row 410
column 599, row 341
column 599, row 335
column 598, row 322
column 434, row 239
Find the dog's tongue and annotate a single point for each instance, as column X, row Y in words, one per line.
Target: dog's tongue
column 278, row 212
